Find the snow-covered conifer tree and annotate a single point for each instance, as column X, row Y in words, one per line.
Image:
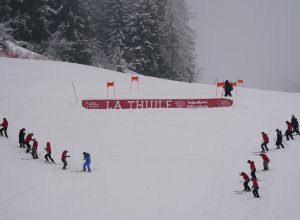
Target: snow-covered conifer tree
column 114, row 27
column 4, row 11
column 142, row 45
column 177, row 41
column 30, row 20
column 70, row 42
column 5, row 35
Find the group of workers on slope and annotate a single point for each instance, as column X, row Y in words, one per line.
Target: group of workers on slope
column 25, row 142
column 292, row 127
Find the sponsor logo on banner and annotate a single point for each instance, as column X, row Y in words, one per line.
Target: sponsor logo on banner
column 225, row 103
column 197, row 104
column 180, row 104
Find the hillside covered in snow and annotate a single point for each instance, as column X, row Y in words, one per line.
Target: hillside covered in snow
column 147, row 164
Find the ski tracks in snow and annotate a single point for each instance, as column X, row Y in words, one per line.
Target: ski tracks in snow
column 5, row 203
column 217, row 190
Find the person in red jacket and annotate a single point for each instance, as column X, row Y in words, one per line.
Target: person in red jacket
column 266, row 161
column 27, row 142
column 289, row 131
column 4, row 127
column 64, row 158
column 48, row 154
column 255, row 188
column 252, row 168
column 264, row 142
column 246, row 181
column 34, row 149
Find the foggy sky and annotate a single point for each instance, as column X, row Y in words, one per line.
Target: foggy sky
column 257, row 40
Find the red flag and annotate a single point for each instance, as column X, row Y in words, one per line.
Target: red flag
column 233, row 84
column 240, row 81
column 134, row 78
column 220, row 84
column 110, row 84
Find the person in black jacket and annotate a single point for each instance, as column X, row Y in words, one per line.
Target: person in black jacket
column 295, row 124
column 279, row 139
column 228, row 88
column 22, row 137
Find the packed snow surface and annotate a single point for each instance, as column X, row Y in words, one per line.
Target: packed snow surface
column 147, row 164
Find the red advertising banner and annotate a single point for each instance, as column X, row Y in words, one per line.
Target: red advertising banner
column 156, row 103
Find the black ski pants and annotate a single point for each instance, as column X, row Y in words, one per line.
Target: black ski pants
column 22, row 144
column 28, row 147
column 246, row 186
column 296, row 130
column 289, row 135
column 264, row 145
column 228, row 93
column 266, row 165
column 5, row 132
column 255, row 193
column 65, row 164
column 48, row 155
column 253, row 174
column 278, row 144
column 34, row 154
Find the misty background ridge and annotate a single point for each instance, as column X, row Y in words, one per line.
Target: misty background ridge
column 150, row 37
column 184, row 40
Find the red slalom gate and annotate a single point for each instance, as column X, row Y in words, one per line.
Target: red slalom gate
column 156, row 103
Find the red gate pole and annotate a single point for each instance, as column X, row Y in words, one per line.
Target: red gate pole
column 114, row 89
column 106, row 89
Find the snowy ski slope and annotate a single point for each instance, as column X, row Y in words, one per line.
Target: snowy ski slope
column 154, row 164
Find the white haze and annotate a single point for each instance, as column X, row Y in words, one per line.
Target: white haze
column 257, row 40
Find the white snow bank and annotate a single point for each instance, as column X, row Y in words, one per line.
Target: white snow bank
column 146, row 164
column 16, row 51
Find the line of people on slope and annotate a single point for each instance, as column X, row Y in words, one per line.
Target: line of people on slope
column 246, row 178
column 292, row 127
column 24, row 141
